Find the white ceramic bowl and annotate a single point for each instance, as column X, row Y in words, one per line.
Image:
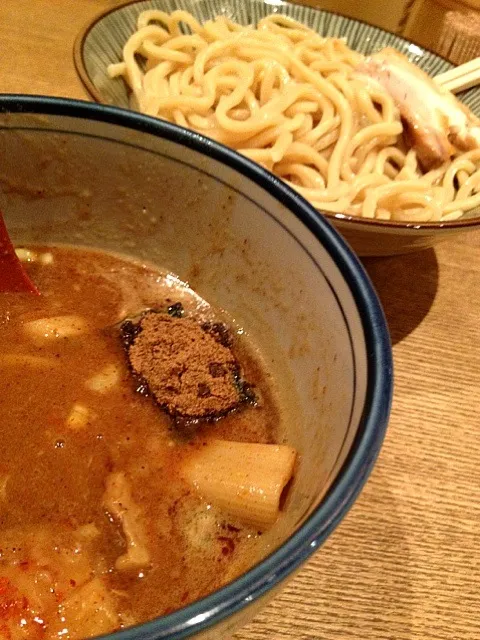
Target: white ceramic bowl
column 101, row 42
column 74, row 172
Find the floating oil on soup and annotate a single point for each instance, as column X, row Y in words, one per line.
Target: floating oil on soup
column 121, row 498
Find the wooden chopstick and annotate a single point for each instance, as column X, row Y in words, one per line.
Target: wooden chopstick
column 465, row 76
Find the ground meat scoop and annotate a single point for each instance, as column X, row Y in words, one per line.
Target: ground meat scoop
column 189, row 368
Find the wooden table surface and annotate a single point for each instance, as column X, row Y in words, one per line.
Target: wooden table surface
column 405, row 563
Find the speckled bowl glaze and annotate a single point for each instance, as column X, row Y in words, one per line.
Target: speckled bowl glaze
column 99, row 176
column 101, row 41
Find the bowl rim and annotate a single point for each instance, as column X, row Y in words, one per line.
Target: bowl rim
column 412, row 227
column 364, row 450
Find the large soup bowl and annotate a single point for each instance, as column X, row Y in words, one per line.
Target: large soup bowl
column 85, row 174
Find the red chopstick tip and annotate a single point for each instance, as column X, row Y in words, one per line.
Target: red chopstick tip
column 13, row 277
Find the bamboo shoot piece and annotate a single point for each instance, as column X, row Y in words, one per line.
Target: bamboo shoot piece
column 120, row 505
column 79, row 417
column 45, row 329
column 27, row 360
column 244, row 479
column 89, row 610
column 105, row 380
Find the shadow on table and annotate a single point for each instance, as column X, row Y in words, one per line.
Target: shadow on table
column 406, row 286
column 358, row 585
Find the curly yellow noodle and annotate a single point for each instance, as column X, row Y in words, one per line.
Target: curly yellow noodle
column 305, row 175
column 291, row 100
column 366, row 106
column 368, row 165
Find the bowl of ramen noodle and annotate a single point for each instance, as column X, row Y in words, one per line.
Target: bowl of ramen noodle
column 347, row 114
column 193, row 393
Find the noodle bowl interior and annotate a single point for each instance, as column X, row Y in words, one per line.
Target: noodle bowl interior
column 372, row 137
column 112, row 512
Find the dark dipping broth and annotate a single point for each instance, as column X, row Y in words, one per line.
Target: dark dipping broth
column 100, row 527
